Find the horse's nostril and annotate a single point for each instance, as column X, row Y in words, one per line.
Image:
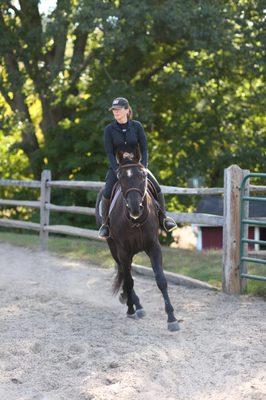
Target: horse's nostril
column 135, row 215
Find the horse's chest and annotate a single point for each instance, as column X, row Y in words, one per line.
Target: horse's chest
column 137, row 240
column 133, row 239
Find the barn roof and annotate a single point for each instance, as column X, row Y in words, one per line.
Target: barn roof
column 214, row 205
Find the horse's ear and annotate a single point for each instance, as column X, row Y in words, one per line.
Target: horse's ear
column 119, row 157
column 137, row 154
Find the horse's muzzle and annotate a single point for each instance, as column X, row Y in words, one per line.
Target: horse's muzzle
column 136, row 212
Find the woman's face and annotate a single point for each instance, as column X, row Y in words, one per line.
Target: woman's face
column 120, row 114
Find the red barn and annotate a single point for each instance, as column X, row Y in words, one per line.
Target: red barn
column 211, row 237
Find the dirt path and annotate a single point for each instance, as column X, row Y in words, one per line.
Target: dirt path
column 64, row 337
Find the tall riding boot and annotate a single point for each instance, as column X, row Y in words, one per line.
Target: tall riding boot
column 104, row 232
column 167, row 223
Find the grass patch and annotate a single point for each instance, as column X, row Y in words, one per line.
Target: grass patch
column 203, row 265
column 75, row 248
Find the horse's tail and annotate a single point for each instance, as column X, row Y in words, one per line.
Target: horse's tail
column 118, row 281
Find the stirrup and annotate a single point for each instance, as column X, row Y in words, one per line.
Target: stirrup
column 104, row 232
column 169, row 224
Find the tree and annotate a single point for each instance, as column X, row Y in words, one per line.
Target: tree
column 43, row 60
column 194, row 72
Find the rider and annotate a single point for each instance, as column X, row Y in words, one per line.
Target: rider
column 124, row 134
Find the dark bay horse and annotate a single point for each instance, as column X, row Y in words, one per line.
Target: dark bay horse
column 133, row 221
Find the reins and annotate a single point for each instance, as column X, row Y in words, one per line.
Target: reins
column 131, row 165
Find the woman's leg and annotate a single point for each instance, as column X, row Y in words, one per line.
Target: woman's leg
column 167, row 222
column 110, row 180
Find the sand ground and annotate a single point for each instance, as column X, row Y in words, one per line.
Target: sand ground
column 63, row 336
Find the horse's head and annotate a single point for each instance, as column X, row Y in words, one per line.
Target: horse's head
column 132, row 177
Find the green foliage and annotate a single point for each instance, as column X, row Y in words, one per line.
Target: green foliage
column 13, row 165
column 193, row 71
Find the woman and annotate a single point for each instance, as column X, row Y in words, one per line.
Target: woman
column 124, row 134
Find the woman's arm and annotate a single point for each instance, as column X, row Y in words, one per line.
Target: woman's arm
column 109, row 149
column 143, row 144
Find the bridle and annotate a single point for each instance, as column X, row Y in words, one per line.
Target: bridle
column 134, row 189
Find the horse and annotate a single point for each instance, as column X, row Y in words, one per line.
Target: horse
column 134, row 226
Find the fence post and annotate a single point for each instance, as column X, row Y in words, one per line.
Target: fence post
column 231, row 229
column 44, row 213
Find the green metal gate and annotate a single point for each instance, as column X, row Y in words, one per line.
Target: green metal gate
column 244, row 232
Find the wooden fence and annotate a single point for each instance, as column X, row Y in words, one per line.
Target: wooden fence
column 229, row 221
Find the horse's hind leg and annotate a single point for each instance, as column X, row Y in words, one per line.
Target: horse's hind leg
column 155, row 255
column 139, row 309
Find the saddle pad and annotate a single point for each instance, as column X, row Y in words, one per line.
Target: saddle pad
column 113, row 201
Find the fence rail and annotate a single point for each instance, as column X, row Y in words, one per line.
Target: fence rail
column 30, row 184
column 24, row 203
column 75, row 185
column 71, row 209
column 12, row 223
column 229, row 221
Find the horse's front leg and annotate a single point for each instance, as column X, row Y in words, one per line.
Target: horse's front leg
column 125, row 262
column 155, row 255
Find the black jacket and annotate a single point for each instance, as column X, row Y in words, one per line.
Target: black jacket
column 115, row 140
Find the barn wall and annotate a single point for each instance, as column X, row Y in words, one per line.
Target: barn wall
column 212, row 237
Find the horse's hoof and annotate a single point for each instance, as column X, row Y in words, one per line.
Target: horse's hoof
column 123, row 298
column 132, row 316
column 141, row 313
column 173, row 326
